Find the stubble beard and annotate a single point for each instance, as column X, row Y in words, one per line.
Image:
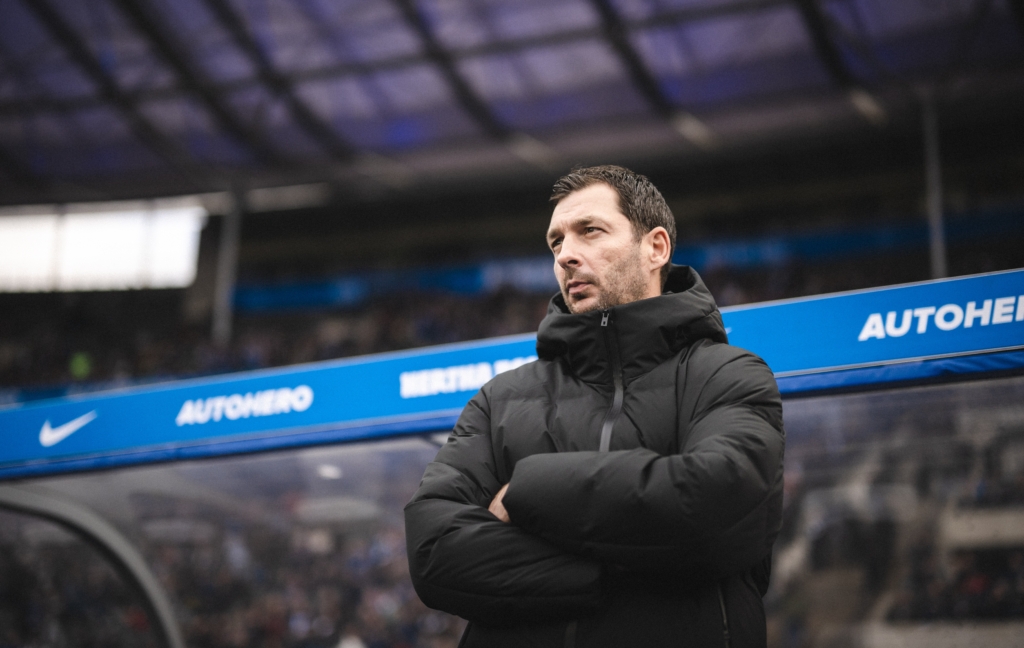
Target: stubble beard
column 623, row 283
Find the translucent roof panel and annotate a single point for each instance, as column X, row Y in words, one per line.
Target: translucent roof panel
column 293, row 39
column 196, row 32
column 43, row 63
column 306, row 35
column 467, row 24
column 412, row 89
column 341, row 98
column 262, row 112
column 101, row 124
column 105, row 144
column 499, row 78
column 403, row 132
column 581, row 105
column 184, row 120
column 745, row 82
column 125, row 55
column 176, row 116
column 708, row 62
column 742, row 38
column 557, row 69
column 543, row 86
column 361, row 30
column 636, row 10
column 272, row 88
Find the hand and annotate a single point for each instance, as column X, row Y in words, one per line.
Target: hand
column 497, row 508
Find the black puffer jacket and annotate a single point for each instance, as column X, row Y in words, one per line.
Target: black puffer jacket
column 664, row 539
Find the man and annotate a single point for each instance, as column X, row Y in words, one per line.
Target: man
column 626, row 488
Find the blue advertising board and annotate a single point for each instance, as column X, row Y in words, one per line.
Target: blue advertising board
column 360, row 398
column 982, row 313
column 915, row 331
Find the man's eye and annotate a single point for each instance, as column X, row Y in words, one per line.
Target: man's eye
column 556, row 243
column 590, row 230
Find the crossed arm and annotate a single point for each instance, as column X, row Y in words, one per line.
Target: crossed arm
column 536, row 546
column 464, row 560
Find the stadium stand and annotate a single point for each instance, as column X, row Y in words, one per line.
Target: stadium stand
column 87, row 346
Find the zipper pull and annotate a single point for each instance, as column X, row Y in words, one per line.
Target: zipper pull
column 604, row 318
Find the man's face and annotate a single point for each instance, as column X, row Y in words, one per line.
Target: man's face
column 598, row 261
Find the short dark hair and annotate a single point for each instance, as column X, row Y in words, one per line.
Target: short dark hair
column 639, row 200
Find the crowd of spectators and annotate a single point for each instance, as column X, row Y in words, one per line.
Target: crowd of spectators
column 996, row 492
column 253, row 592
column 239, row 588
column 88, row 340
column 82, row 345
column 61, row 593
column 998, row 486
column 970, row 585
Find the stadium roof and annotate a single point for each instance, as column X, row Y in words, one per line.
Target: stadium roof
column 105, row 99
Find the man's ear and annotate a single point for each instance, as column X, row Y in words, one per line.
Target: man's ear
column 658, row 248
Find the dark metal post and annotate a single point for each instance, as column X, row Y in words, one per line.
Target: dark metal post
column 227, row 271
column 933, row 187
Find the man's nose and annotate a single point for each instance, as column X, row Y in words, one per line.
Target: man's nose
column 568, row 254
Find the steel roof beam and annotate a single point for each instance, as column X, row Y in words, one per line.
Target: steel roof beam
column 668, row 18
column 80, row 53
column 830, row 56
column 464, row 94
column 817, row 28
column 615, row 31
column 31, row 108
column 193, row 81
column 280, row 85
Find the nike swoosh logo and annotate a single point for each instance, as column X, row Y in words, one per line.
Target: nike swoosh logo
column 49, row 436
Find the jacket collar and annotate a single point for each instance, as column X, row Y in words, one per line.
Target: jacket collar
column 647, row 332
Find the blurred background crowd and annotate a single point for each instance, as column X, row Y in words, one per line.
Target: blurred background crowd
column 55, row 343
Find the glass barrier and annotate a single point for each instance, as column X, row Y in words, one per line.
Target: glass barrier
column 903, row 519
column 57, row 590
column 300, row 548
column 904, row 516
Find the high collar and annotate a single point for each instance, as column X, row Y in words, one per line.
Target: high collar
column 647, row 332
